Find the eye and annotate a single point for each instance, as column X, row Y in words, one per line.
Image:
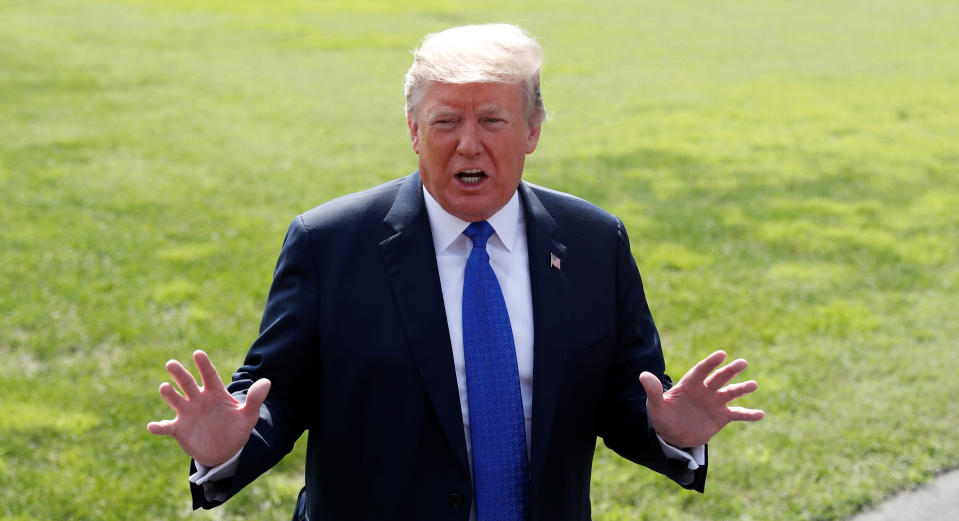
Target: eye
column 443, row 123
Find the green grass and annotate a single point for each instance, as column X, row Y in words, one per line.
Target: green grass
column 789, row 174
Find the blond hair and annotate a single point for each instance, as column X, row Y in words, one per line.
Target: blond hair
column 488, row 53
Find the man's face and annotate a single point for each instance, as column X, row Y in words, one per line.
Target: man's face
column 472, row 140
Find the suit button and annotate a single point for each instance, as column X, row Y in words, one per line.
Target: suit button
column 456, row 499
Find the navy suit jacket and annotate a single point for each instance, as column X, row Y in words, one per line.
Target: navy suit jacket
column 355, row 341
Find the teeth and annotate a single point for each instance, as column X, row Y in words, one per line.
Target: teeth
column 471, row 176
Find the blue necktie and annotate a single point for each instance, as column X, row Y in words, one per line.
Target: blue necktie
column 497, row 427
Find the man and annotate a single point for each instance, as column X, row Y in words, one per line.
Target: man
column 454, row 341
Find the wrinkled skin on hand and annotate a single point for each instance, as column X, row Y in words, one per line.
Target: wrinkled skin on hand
column 210, row 425
column 696, row 408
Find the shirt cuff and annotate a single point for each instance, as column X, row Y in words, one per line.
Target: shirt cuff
column 224, row 470
column 694, row 457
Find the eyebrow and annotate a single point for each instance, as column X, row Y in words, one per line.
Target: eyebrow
column 490, row 109
column 442, row 113
column 484, row 110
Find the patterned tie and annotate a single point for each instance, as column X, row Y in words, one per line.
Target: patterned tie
column 497, row 427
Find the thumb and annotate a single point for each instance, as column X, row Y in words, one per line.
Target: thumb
column 255, row 396
column 652, row 386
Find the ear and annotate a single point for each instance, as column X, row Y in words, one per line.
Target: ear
column 414, row 133
column 533, row 138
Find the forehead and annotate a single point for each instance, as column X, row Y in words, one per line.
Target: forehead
column 473, row 96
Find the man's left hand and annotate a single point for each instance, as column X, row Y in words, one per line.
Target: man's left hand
column 695, row 409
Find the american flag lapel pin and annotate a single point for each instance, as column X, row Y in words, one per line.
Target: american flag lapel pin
column 554, row 261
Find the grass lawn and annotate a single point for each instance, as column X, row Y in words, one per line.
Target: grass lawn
column 788, row 172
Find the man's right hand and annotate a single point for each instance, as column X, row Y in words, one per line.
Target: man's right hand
column 210, row 425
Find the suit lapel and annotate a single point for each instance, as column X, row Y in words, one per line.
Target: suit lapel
column 411, row 263
column 550, row 291
column 410, row 260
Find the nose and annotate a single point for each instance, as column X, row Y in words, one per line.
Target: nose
column 469, row 143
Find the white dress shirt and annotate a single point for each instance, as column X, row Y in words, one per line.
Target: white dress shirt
column 509, row 258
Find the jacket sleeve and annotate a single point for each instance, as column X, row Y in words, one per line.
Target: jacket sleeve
column 284, row 352
column 625, row 425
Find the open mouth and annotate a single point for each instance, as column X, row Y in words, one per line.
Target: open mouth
column 471, row 176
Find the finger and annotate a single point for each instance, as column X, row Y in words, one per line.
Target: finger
column 653, row 388
column 183, row 378
column 741, row 414
column 162, row 428
column 255, row 396
column 172, row 398
column 725, row 375
column 734, row 391
column 700, row 371
column 208, row 374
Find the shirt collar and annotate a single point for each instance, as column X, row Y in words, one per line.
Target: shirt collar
column 447, row 228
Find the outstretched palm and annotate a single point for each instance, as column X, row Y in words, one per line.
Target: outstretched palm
column 695, row 409
column 210, row 425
